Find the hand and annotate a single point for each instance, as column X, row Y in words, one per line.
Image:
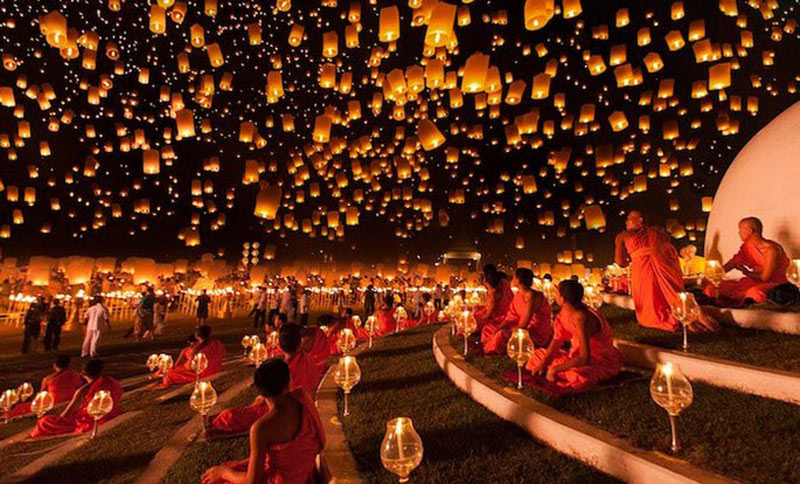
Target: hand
column 538, row 369
column 551, row 374
column 212, row 474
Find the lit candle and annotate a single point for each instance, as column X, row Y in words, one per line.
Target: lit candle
column 398, row 430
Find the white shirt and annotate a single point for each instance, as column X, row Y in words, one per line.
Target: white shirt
column 96, row 317
column 286, row 302
column 261, row 301
column 303, row 304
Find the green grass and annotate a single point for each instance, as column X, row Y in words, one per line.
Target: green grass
column 750, row 346
column 122, row 454
column 743, row 436
column 463, row 441
column 199, row 455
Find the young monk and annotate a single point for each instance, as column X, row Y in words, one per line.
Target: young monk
column 385, row 314
column 498, row 298
column 656, row 277
column 345, row 321
column 763, row 263
column 61, row 385
column 182, row 371
column 304, row 374
column 284, row 442
column 75, row 418
column 315, row 343
column 591, row 357
column 529, row 310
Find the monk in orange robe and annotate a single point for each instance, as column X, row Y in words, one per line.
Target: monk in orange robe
column 315, row 343
column 61, row 385
column 75, row 418
column 656, row 277
column 304, row 375
column 498, row 297
column 344, row 322
column 284, row 442
column 182, row 372
column 763, row 263
column 591, row 357
column 529, row 309
column 385, row 313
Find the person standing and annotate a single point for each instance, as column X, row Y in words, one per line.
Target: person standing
column 96, row 322
column 303, row 306
column 159, row 315
column 369, row 300
column 203, row 300
column 285, row 307
column 145, row 314
column 33, row 324
column 56, row 318
column 259, row 311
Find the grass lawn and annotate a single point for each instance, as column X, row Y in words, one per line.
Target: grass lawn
column 750, row 346
column 743, row 436
column 199, row 455
column 463, row 441
column 120, row 456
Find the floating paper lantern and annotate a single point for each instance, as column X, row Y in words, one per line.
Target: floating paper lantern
column 537, row 13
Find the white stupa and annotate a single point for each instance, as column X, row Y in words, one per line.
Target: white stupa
column 763, row 181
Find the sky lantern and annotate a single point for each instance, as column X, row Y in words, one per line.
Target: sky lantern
column 215, row 55
column 541, row 86
column 151, row 162
column 54, row 27
column 330, row 44
column 322, row 128
column 440, row 24
column 268, row 201
column 184, row 120
column 429, row 135
column 537, row 13
column 719, row 76
column 475, row 72
column 389, row 24
column 158, row 19
column 296, row 35
column 197, row 36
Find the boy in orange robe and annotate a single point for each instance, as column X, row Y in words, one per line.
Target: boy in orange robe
column 763, row 263
column 182, row 371
column 304, row 374
column 75, row 418
column 61, row 385
column 498, row 297
column 656, row 276
column 529, row 310
column 284, row 442
column 591, row 357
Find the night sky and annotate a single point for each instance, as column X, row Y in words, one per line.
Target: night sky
column 488, row 168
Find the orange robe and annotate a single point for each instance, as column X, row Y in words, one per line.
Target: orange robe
column 61, row 386
column 734, row 293
column 178, row 375
column 605, row 360
column 386, row 321
column 656, row 277
column 81, row 421
column 319, row 350
column 360, row 334
column 237, row 420
column 292, row 462
column 500, row 308
column 494, row 336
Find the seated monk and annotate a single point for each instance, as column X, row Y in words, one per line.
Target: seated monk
column 284, row 442
column 61, row 385
column 75, row 418
column 182, row 372
column 763, row 263
column 529, row 309
column 304, row 374
column 315, row 344
column 591, row 357
column 498, row 297
column 656, row 277
column 691, row 263
column 386, row 323
column 339, row 324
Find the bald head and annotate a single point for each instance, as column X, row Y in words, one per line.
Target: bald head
column 635, row 220
column 749, row 227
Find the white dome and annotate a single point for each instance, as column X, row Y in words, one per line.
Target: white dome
column 763, row 181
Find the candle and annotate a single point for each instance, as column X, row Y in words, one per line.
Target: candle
column 398, row 430
column 668, row 374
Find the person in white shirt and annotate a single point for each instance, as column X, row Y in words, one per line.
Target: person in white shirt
column 286, row 303
column 96, row 322
column 303, row 307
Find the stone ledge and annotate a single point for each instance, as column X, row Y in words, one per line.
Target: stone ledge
column 567, row 434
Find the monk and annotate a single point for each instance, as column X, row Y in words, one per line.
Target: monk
column 75, row 418
column 528, row 310
column 656, row 277
column 691, row 263
column 763, row 263
column 315, row 343
column 498, row 297
column 304, row 374
column 284, row 442
column 385, row 313
column 591, row 356
column 61, row 385
column 345, row 321
column 182, row 371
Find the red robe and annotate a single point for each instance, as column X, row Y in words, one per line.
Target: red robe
column 178, row 375
column 386, row 322
column 494, row 337
column 734, row 293
column 319, row 349
column 605, row 360
column 61, row 386
column 360, row 334
column 81, row 421
column 656, row 277
column 292, row 462
column 500, row 308
column 237, row 420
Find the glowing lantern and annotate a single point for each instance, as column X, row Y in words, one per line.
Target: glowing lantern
column 322, row 128
column 389, row 24
column 440, row 25
column 268, row 201
column 475, row 72
column 719, row 76
column 296, row 35
column 429, row 135
column 537, row 13
column 215, row 55
column 151, row 162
